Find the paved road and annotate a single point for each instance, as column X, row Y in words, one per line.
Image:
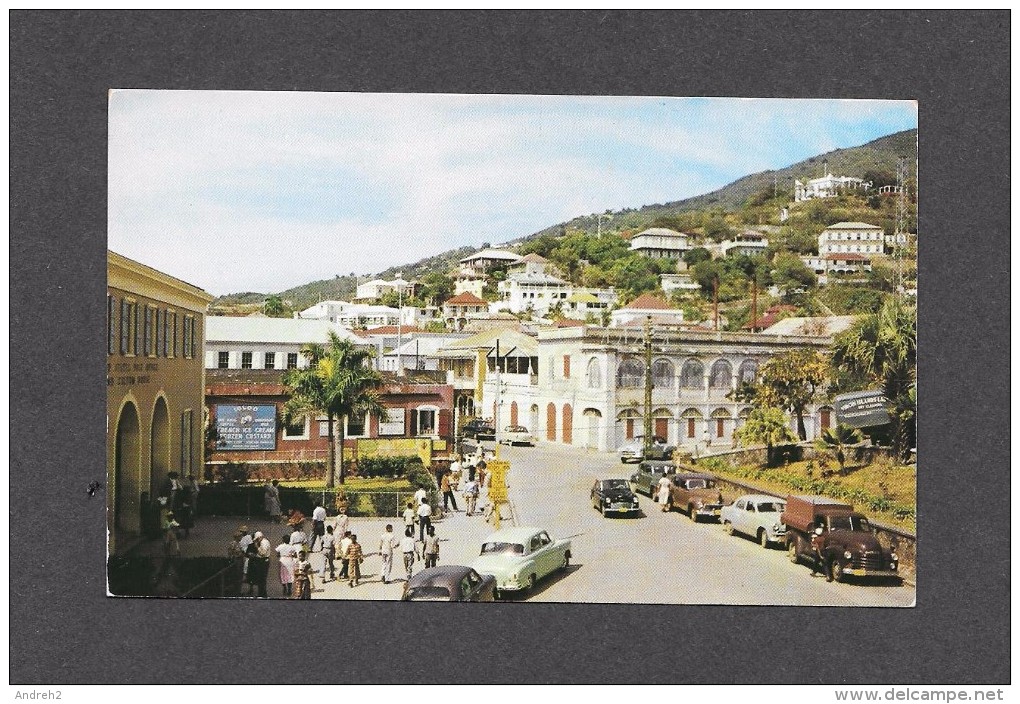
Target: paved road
column 658, row 557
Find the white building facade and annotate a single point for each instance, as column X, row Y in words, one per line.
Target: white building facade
column 660, row 243
column 828, row 186
column 851, row 238
column 265, row 343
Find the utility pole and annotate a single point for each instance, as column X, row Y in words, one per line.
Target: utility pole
column 499, row 389
column 648, row 387
column 400, row 315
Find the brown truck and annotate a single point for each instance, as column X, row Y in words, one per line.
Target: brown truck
column 849, row 543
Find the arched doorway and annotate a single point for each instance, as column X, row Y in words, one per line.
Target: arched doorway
column 159, row 448
column 593, row 422
column 126, row 471
column 550, row 422
column 568, row 424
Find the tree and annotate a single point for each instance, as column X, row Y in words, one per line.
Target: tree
column 274, row 306
column 835, row 440
column 789, row 274
column 790, row 380
column 882, row 349
column 698, row 254
column 766, row 425
column 338, row 384
column 436, row 288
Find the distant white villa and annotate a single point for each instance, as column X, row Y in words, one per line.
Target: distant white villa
column 660, row 243
column 828, row 186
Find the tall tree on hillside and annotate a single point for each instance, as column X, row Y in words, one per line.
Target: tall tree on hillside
column 882, row 349
column 338, row 384
column 274, row 306
column 790, row 380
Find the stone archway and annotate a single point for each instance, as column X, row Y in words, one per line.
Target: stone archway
column 159, row 447
column 127, row 470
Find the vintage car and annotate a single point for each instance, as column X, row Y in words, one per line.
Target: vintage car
column 614, row 496
column 756, row 515
column 517, row 435
column 646, row 479
column 450, row 583
column 634, row 450
column 695, row 494
column 519, row 557
column 479, row 429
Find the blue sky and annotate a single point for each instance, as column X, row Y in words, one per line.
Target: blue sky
column 262, row 191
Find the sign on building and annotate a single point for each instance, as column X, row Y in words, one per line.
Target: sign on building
column 862, row 409
column 245, row 427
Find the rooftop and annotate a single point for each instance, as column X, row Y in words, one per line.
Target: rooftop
column 493, row 254
column 289, row 331
column 853, row 226
column 648, row 301
column 661, row 232
column 466, row 299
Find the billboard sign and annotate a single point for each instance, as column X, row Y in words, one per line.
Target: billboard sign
column 862, row 409
column 245, row 427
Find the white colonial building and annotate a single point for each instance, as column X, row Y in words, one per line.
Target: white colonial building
column 851, row 238
column 828, row 186
column 644, row 306
column 375, row 289
column 487, row 259
column 265, row 343
column 585, row 385
column 678, row 282
column 660, row 243
column 748, row 243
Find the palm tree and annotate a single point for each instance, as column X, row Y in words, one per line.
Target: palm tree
column 882, row 349
column 339, row 384
column 769, row 426
column 836, row 440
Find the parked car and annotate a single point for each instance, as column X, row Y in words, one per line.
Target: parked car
column 450, row 583
column 519, row 557
column 695, row 494
column 646, row 479
column 756, row 515
column 479, row 429
column 517, row 435
column 634, row 450
column 614, row 496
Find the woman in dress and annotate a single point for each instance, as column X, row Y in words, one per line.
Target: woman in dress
column 288, row 564
column 272, row 501
column 303, row 577
column 664, row 492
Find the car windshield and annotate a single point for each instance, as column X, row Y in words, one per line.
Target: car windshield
column 770, row 507
column 695, row 483
column 428, row 592
column 858, row 523
column 495, row 548
column 614, row 484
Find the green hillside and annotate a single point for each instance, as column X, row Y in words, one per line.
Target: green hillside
column 751, row 201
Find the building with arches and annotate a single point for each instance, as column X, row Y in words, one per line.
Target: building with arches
column 155, row 326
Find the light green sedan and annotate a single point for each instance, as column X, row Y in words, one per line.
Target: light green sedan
column 519, row 557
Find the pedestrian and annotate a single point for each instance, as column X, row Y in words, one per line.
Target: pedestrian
column 424, row 518
column 288, row 564
column 263, row 552
column 328, row 554
column 298, row 538
column 420, row 495
column 271, row 498
column 456, row 471
column 318, row 526
column 354, row 557
column 410, row 515
column 822, row 561
column 471, row 492
column 303, row 577
column 345, row 542
column 243, row 544
column 193, row 491
column 387, row 541
column 471, row 465
column 663, row 492
column 407, row 548
column 342, row 524
column 431, row 549
column 171, row 548
column 482, row 474
column 236, row 556
column 447, row 492
column 185, row 515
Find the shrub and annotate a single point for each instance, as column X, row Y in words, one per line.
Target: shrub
column 232, row 472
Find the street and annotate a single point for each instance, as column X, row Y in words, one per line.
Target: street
column 654, row 558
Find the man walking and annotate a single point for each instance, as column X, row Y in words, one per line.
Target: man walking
column 318, row 526
column 471, row 496
column 431, row 548
column 345, row 543
column 407, row 548
column 328, row 554
column 448, row 496
column 386, row 544
column 424, row 518
column 822, row 561
column 354, row 556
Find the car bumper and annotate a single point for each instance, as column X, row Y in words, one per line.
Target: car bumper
column 862, row 572
column 622, row 509
column 709, row 511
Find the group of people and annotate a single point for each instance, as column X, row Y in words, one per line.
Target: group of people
column 178, row 505
column 472, row 469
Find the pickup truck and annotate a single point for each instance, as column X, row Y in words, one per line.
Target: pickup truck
column 849, row 543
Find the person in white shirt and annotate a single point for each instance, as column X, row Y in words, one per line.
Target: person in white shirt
column 242, row 545
column 456, row 470
column 328, row 554
column 341, row 526
column 345, row 542
column 420, row 495
column 387, row 541
column 318, row 526
column 471, row 492
column 424, row 519
column 407, row 547
column 298, row 538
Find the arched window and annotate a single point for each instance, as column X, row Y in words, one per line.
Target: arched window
column 594, row 373
column 692, row 376
column 748, row 371
column 662, row 374
column 629, row 375
column 721, row 376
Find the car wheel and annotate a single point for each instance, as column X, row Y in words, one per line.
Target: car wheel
column 692, row 514
column 728, row 527
column 791, row 551
column 532, row 580
column 763, row 538
column 837, row 571
column 566, row 562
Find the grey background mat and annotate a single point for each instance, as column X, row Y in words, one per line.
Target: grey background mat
column 65, row 630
